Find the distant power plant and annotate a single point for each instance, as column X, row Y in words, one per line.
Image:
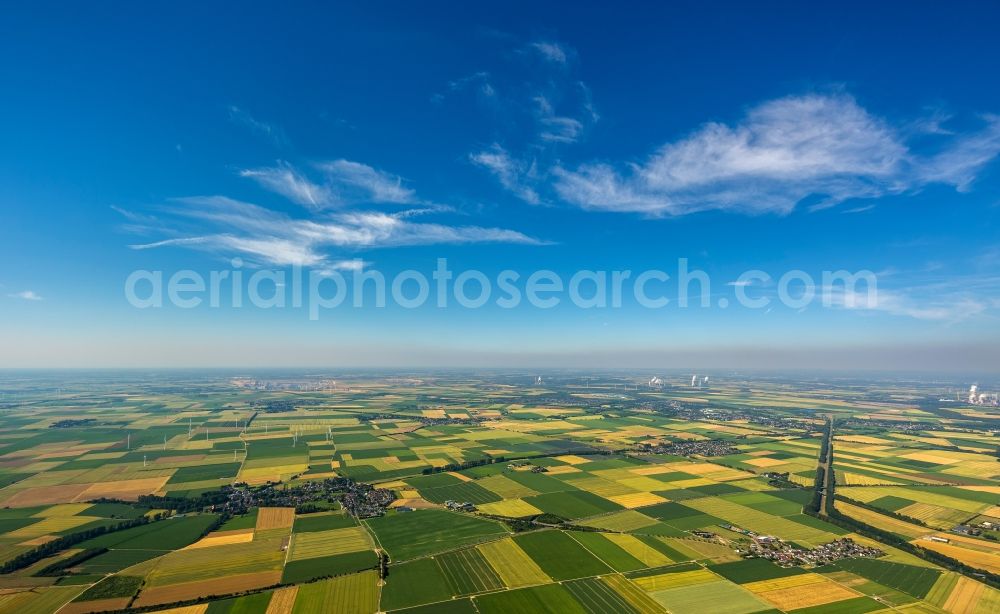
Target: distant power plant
column 982, row 398
column 697, row 382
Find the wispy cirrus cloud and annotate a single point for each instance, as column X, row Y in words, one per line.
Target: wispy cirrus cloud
column 545, row 109
column 278, row 239
column 556, row 128
column 550, row 51
column 290, row 183
column 825, row 147
column 26, row 295
column 334, row 183
column 512, row 174
column 948, row 307
column 271, row 132
column 363, row 183
column 927, row 294
column 479, row 81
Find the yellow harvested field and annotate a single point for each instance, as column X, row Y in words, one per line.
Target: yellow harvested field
column 127, row 490
column 862, row 439
column 513, row 564
column 964, row 596
column 700, row 468
column 328, row 543
column 975, row 469
column 807, row 595
column 188, row 609
column 69, row 509
column 203, row 588
column 764, row 586
column 765, row 462
column 261, row 475
column 927, row 457
column 639, row 499
column 223, row 538
column 460, row 476
column 571, row 459
column 275, row 518
column 433, row 413
column 638, row 549
column 675, row 580
column 282, row 600
column 512, row 508
column 640, row 482
column 881, row 521
column 988, row 561
column 51, row 525
column 654, row 469
column 602, row 487
column 856, row 479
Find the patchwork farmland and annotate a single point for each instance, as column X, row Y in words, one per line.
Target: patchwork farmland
column 491, row 493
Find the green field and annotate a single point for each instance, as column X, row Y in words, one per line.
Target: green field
column 612, row 555
column 309, row 569
column 468, row 572
column 548, row 598
column 415, row 583
column 353, row 594
column 910, row 579
column 560, row 556
column 597, row 597
column 424, row 532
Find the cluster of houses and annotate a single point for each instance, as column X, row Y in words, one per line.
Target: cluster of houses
column 786, row 555
column 706, row 447
column 366, row 501
column 239, row 498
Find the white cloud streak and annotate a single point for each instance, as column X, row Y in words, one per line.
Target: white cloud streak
column 512, row 174
column 291, row 184
column 360, row 181
column 278, row 239
column 822, row 147
column 556, row 128
column 341, row 183
column 959, row 298
column 270, row 132
column 26, row 295
column 550, row 52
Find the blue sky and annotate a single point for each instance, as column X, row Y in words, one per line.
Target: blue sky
column 515, row 136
